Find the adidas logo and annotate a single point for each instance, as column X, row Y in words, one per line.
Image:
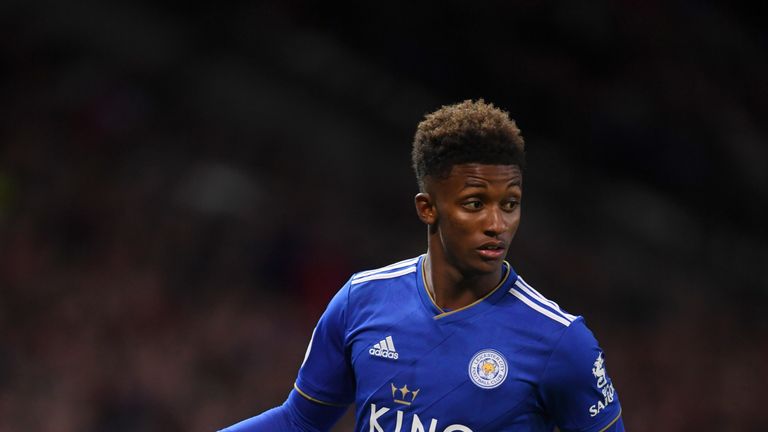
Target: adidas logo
column 385, row 349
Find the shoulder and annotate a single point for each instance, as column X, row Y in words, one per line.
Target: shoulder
column 373, row 291
column 392, row 273
column 570, row 344
column 365, row 286
column 540, row 310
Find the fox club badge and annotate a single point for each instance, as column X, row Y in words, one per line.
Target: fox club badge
column 488, row 369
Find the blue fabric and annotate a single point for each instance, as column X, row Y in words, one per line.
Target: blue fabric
column 616, row 427
column 566, row 393
column 512, row 361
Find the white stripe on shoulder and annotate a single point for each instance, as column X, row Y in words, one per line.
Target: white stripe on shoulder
column 391, row 275
column 404, row 263
column 537, row 308
column 522, row 284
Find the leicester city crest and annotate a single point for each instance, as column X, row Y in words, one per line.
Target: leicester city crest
column 488, row 369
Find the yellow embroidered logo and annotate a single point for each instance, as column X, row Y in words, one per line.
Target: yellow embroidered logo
column 403, row 395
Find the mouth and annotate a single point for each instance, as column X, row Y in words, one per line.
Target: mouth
column 492, row 250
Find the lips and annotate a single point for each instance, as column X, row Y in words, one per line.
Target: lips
column 492, row 250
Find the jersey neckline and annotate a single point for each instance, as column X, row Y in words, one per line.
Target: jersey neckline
column 479, row 306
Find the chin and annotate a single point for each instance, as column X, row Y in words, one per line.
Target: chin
column 482, row 267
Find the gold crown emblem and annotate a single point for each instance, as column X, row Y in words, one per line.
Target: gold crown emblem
column 403, row 395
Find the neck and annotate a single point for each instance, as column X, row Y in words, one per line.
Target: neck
column 452, row 289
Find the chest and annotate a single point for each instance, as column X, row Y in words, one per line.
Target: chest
column 472, row 373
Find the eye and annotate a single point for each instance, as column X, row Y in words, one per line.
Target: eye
column 472, row 205
column 509, row 205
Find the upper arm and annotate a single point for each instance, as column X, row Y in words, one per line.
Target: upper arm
column 325, row 384
column 575, row 388
column 326, row 375
column 297, row 414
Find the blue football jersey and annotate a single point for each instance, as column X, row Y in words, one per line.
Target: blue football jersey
column 511, row 361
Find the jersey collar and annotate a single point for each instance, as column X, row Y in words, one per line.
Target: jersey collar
column 472, row 309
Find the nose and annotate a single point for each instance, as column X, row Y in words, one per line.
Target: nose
column 496, row 222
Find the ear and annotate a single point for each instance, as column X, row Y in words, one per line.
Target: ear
column 425, row 208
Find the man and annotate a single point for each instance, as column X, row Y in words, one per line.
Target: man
column 453, row 340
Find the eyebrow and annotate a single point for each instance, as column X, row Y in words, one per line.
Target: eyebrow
column 478, row 184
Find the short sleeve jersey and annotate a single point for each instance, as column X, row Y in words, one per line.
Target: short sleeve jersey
column 511, row 361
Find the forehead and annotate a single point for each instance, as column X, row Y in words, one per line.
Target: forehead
column 503, row 173
column 480, row 175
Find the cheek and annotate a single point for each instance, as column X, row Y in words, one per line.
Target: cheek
column 454, row 230
column 514, row 222
column 461, row 224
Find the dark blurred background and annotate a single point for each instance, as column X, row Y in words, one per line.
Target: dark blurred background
column 183, row 186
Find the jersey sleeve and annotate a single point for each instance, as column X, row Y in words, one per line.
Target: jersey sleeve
column 297, row 414
column 326, row 375
column 575, row 388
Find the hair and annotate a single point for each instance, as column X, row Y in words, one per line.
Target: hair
column 467, row 132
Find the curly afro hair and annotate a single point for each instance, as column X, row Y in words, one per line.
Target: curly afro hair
column 467, row 132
